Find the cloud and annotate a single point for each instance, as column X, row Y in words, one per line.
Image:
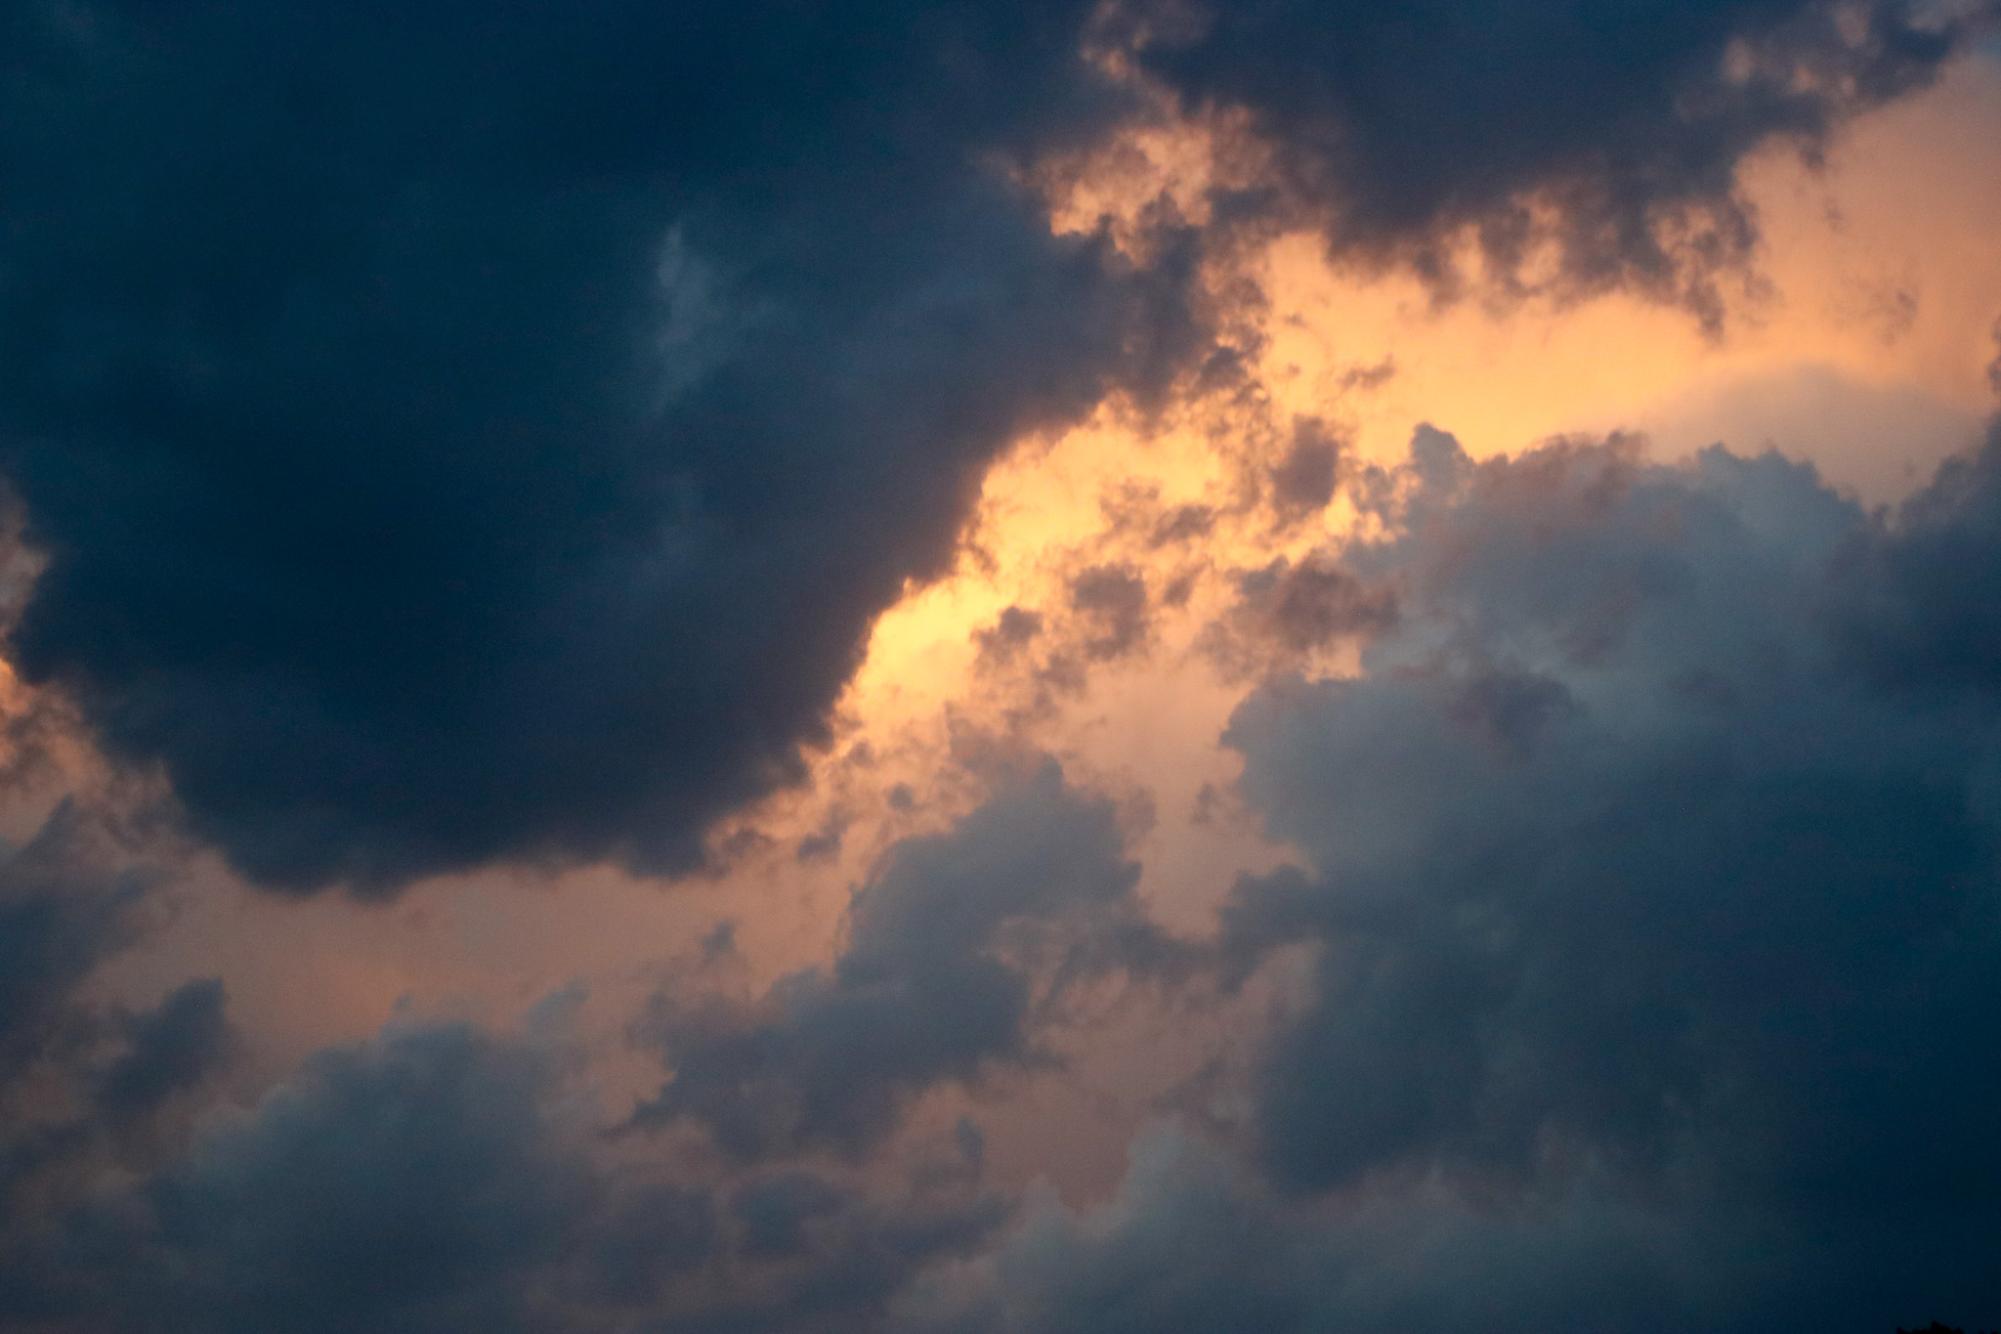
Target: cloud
column 947, row 944
column 1191, row 1242
column 1649, row 871
column 1012, row 631
column 413, row 1182
column 1883, row 443
column 835, row 1255
column 654, row 1236
column 455, row 444
column 1303, row 481
column 63, row 902
column 171, row 1048
column 408, row 1180
column 1612, row 137
column 1645, row 846
column 1111, row 601
column 775, row 1212
column 439, row 1177
column 85, row 1085
column 1921, row 621
column 449, row 445
column 1285, row 610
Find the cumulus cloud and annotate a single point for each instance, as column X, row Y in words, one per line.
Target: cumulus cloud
column 838, row 1255
column 1651, row 871
column 949, row 942
column 1923, row 619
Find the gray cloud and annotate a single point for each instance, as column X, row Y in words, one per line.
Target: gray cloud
column 435, row 1178
column 405, row 1183
column 947, row 943
column 1651, row 872
column 412, row 1183
column 1618, row 858
column 1193, row 1243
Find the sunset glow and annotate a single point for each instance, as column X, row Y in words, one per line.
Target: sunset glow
column 1124, row 666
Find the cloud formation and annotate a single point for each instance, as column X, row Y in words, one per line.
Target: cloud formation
column 459, row 442
column 452, row 444
column 1610, row 135
column 1651, row 874
column 435, row 442
column 950, row 944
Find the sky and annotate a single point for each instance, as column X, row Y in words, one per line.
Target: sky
column 1144, row 665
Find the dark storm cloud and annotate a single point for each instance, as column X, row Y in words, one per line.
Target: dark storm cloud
column 463, row 440
column 1658, row 924
column 1390, row 126
column 946, row 944
column 454, row 439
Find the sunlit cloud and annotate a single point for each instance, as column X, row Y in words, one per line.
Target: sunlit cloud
column 1072, row 666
